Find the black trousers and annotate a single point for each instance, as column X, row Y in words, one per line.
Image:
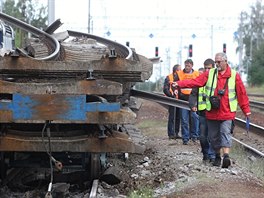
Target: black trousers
column 174, row 121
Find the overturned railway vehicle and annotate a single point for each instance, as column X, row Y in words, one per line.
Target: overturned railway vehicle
column 65, row 100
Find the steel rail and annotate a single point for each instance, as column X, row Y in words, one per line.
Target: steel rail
column 251, row 149
column 160, row 99
column 184, row 104
column 93, row 191
column 256, row 104
column 256, row 95
column 121, row 49
column 35, row 31
column 253, row 127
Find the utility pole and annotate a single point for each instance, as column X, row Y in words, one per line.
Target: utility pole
column 1, row 5
column 51, row 11
column 240, row 40
column 212, row 41
column 89, row 16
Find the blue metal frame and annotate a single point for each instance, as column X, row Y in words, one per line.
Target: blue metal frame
column 25, row 107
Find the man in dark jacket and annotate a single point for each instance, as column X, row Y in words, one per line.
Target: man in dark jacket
column 174, row 112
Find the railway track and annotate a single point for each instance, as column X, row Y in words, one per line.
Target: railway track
column 256, row 105
column 53, row 43
column 256, row 95
column 115, row 47
column 248, row 142
column 251, row 140
column 93, row 192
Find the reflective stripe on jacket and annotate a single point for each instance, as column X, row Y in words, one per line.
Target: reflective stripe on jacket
column 231, row 89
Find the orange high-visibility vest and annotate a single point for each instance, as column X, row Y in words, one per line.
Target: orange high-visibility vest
column 186, row 76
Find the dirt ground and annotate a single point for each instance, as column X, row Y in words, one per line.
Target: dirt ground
column 176, row 170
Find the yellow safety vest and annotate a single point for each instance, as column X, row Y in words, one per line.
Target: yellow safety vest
column 201, row 102
column 231, row 89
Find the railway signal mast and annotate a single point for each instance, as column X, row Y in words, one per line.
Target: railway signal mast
column 190, row 50
column 224, row 48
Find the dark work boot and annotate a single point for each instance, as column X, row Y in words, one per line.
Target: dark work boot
column 217, row 161
column 226, row 161
column 205, row 160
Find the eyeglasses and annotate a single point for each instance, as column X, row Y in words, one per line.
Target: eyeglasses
column 218, row 62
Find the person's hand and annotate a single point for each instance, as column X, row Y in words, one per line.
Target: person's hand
column 194, row 109
column 248, row 114
column 175, row 84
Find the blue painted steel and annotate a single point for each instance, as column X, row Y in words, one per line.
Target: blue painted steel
column 26, row 107
column 102, row 107
column 22, row 107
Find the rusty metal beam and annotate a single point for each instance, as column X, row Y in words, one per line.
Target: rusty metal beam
column 89, row 87
column 124, row 116
column 105, row 64
column 117, row 143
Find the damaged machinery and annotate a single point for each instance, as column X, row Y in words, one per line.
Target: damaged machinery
column 65, row 101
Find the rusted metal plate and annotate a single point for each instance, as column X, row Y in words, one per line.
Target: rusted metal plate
column 6, row 116
column 54, row 107
column 105, row 64
column 118, row 142
column 89, row 87
column 124, row 116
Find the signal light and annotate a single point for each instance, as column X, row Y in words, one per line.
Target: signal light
column 190, row 50
column 127, row 43
column 224, row 48
column 156, row 51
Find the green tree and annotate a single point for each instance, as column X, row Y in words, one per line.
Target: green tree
column 256, row 70
column 29, row 11
column 251, row 30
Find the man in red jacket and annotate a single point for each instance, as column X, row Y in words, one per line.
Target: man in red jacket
column 225, row 90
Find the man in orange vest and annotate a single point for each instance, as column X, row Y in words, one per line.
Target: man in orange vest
column 174, row 112
column 189, row 131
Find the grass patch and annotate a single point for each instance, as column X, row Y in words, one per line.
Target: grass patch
column 153, row 127
column 141, row 193
column 255, row 165
column 151, row 124
column 254, row 90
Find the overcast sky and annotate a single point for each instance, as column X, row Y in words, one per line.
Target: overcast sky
column 169, row 24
